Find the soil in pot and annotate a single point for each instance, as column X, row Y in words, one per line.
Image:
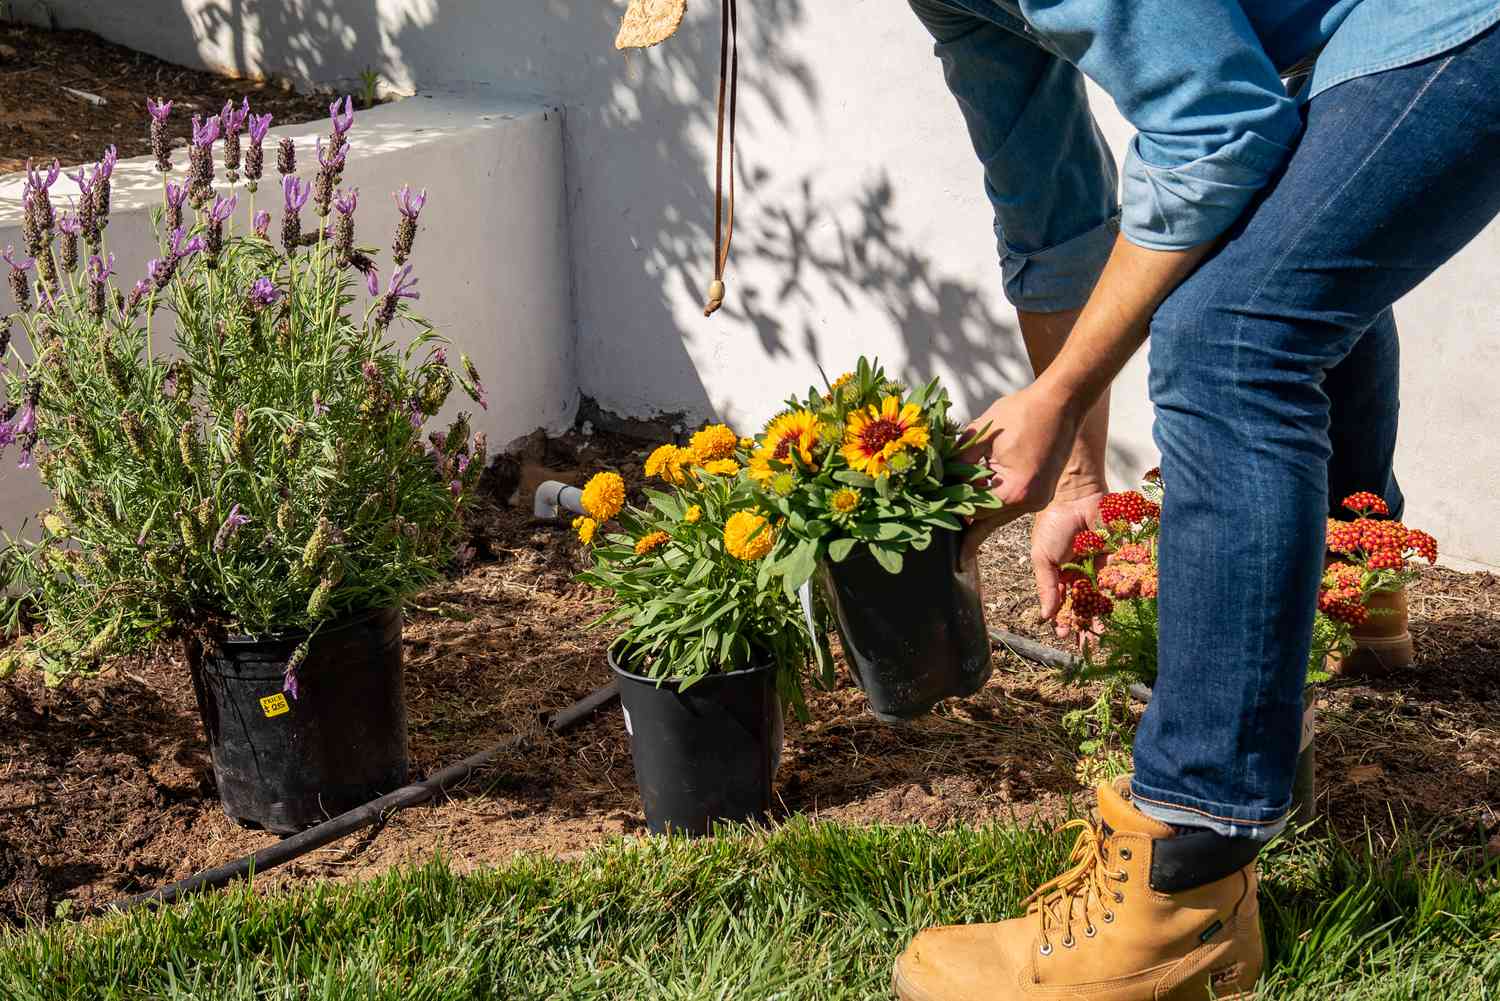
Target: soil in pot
column 707, row 753
column 284, row 763
column 914, row 638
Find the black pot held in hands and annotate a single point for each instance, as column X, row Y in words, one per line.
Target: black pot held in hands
column 911, row 638
column 707, row 753
column 285, row 764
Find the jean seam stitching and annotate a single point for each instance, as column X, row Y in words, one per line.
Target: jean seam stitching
column 1243, row 771
column 1168, row 804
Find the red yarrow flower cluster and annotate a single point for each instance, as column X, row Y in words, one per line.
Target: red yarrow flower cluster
column 1366, row 503
column 1088, row 601
column 1127, row 507
column 1133, row 552
column 1128, row 580
column 1088, row 543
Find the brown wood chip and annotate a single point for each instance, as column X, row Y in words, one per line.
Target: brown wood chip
column 649, row 22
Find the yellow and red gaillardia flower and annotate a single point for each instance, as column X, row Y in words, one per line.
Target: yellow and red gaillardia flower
column 876, row 433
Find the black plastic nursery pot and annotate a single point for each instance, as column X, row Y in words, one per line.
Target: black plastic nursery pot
column 705, row 754
column 284, row 763
column 914, row 638
column 1305, row 779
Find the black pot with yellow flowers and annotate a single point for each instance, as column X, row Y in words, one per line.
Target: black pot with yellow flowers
column 866, row 476
column 236, row 459
column 712, row 648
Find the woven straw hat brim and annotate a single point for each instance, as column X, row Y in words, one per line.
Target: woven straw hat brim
column 649, row 22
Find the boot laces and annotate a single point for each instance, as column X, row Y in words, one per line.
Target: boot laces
column 1087, row 880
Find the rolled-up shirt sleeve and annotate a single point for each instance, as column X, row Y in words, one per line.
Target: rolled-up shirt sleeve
column 1214, row 122
column 1048, row 172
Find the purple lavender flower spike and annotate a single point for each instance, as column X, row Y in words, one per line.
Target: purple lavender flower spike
column 456, row 487
column 342, row 113
column 183, row 247
column 81, row 178
column 289, row 683
column 9, row 256
column 7, row 436
column 232, row 119
column 176, row 195
column 294, row 192
column 331, row 157
column 346, row 201
column 25, row 461
column 205, row 133
column 259, row 126
column 41, row 180
column 264, row 293
column 69, row 224
column 223, row 208
column 26, row 420
column 410, row 204
column 154, row 268
column 402, row 288
column 100, row 269
column 262, row 223
column 372, row 281
column 319, row 408
column 159, row 109
column 107, row 164
column 231, row 525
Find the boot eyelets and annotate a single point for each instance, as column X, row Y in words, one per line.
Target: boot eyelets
column 1069, row 942
column 1109, row 917
column 1124, row 876
column 1090, row 931
column 1046, row 949
column 1119, row 897
column 1125, row 855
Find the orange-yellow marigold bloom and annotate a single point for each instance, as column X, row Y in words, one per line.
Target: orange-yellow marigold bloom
column 651, row 541
column 604, row 496
column 748, row 536
column 692, row 515
column 585, row 527
column 714, row 442
column 721, row 467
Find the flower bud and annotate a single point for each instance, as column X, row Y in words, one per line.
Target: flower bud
column 135, row 434
column 239, row 437
column 316, row 549
column 317, row 605
column 187, row 445
column 188, row 525
column 284, row 515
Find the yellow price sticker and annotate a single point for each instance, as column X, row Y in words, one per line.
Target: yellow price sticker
column 275, row 705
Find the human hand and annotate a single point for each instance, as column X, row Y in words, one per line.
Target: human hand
column 1052, row 543
column 1025, row 439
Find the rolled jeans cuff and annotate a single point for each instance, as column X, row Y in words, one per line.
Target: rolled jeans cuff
column 1059, row 277
column 1256, row 823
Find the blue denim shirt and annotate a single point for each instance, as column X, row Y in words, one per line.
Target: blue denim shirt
column 1201, row 81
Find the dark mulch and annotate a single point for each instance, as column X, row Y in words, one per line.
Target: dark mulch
column 40, row 119
column 105, row 788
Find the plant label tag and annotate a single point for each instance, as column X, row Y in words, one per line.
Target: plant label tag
column 1309, row 727
column 628, row 729
column 275, row 705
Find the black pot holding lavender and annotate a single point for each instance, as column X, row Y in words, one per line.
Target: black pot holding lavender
column 266, row 475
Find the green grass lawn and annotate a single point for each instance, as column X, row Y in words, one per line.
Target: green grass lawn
column 811, row 911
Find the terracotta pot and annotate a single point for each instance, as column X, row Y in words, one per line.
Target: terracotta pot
column 1383, row 643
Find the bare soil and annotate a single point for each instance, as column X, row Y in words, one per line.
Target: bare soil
column 41, row 119
column 106, row 789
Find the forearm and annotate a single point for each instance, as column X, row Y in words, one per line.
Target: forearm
column 1044, row 335
column 1115, row 322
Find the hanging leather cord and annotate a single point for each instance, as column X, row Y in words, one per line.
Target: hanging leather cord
column 729, row 72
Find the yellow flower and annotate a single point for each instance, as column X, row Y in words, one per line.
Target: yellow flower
column 54, row 524
column 838, row 384
column 714, row 442
column 654, row 540
column 657, row 460
column 748, row 536
column 877, row 433
column 585, row 527
column 721, row 467
column 604, row 496
column 844, row 501
column 747, row 443
column 692, row 515
column 761, row 469
column 794, row 431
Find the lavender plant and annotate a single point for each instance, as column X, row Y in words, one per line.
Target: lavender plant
column 230, row 443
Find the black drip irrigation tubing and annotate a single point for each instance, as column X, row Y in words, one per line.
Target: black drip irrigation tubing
column 1052, row 657
column 361, row 816
column 376, row 810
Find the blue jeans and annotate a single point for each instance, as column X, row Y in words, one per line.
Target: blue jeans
column 1274, row 375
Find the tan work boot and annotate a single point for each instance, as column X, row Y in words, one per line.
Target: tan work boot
column 1145, row 914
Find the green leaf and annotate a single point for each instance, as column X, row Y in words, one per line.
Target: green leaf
column 839, row 549
column 854, row 479
column 887, row 556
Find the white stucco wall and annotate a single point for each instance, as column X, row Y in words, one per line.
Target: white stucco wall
column 491, row 252
column 862, row 225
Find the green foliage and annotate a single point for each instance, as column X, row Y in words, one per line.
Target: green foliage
column 811, row 911
column 237, row 447
column 697, row 597
column 369, row 86
column 819, row 467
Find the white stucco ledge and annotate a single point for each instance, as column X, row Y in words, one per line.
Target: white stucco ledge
column 491, row 251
